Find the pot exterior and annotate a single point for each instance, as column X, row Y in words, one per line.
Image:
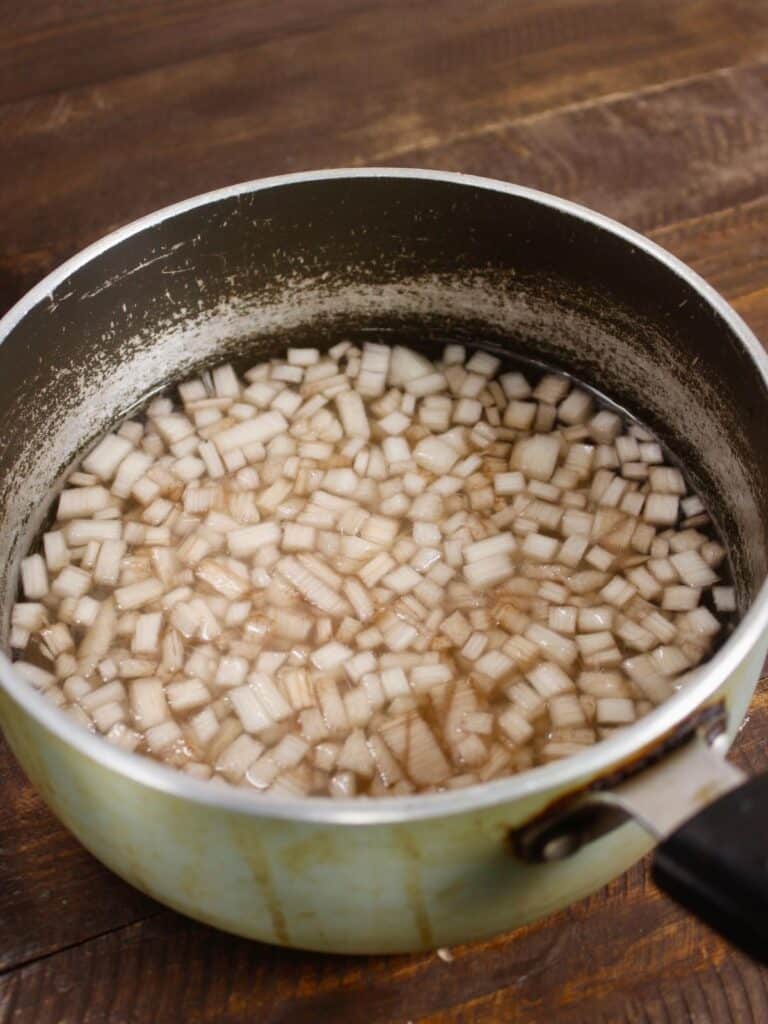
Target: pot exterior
column 383, row 888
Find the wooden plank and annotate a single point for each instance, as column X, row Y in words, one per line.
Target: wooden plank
column 461, row 55
column 98, row 156
column 625, row 953
column 672, row 153
column 730, row 250
column 652, row 158
column 52, row 892
column 48, row 47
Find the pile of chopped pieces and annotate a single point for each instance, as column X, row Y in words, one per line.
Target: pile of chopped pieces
column 367, row 573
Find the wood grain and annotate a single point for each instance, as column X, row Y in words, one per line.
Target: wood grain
column 52, row 893
column 446, row 89
column 625, row 953
column 653, row 111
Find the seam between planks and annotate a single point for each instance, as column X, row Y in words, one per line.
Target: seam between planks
column 11, row 969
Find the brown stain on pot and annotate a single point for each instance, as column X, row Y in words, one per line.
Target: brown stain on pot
column 413, row 887
column 317, row 848
column 257, row 860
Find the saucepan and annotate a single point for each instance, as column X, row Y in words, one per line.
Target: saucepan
column 420, row 257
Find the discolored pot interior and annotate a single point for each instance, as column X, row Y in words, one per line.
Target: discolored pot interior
column 422, row 259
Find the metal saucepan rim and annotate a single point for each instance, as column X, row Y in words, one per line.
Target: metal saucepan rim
column 382, row 810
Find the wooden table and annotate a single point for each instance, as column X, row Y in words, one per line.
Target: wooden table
column 653, row 111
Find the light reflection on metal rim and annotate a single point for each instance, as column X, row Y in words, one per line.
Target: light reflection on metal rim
column 574, row 770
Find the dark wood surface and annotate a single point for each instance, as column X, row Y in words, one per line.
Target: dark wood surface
column 653, row 111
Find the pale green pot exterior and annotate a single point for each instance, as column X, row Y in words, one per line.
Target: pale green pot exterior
column 346, row 888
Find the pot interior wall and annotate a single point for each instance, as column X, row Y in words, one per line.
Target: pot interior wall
column 402, row 259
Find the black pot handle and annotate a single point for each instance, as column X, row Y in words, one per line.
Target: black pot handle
column 711, row 826
column 716, row 866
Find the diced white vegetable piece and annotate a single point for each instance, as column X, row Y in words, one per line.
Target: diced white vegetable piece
column 106, row 570
column 424, row 677
column 331, row 705
column 488, row 572
column 467, row 411
column 160, row 737
column 549, row 680
column 405, row 365
column 394, row 683
column 483, row 363
column 355, row 755
column 517, row 728
column 576, row 408
column 105, row 716
column 429, row 384
column 692, row 569
column 261, row 428
column 313, row 589
column 148, row 703
column 508, row 483
column 249, row 709
column 494, row 664
column 80, row 502
column 565, row 711
column 478, row 721
column 702, row 621
column 303, row 356
column 661, row 509
column 136, row 595
column 353, row 415
column 342, row 785
column 540, row 547
column 289, row 752
column 402, row 580
column 724, row 598
column 400, row 635
column 515, row 385
column 500, row 544
column 146, row 636
column 71, row 582
column 618, row 592
column 204, row 725
column 55, row 550
column 644, row 674
column 680, row 598
column 374, row 365
column 82, row 531
column 248, row 540
column 435, row 455
column 454, row 355
column 269, row 696
column 359, row 664
column 426, row 763
column 536, row 457
column 34, row 577
column 235, row 760
column 29, row 615
column 615, row 711
column 330, row 656
column 104, row 459
column 131, row 469
column 186, row 695
column 34, row 675
column 520, row 415
column 223, row 579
